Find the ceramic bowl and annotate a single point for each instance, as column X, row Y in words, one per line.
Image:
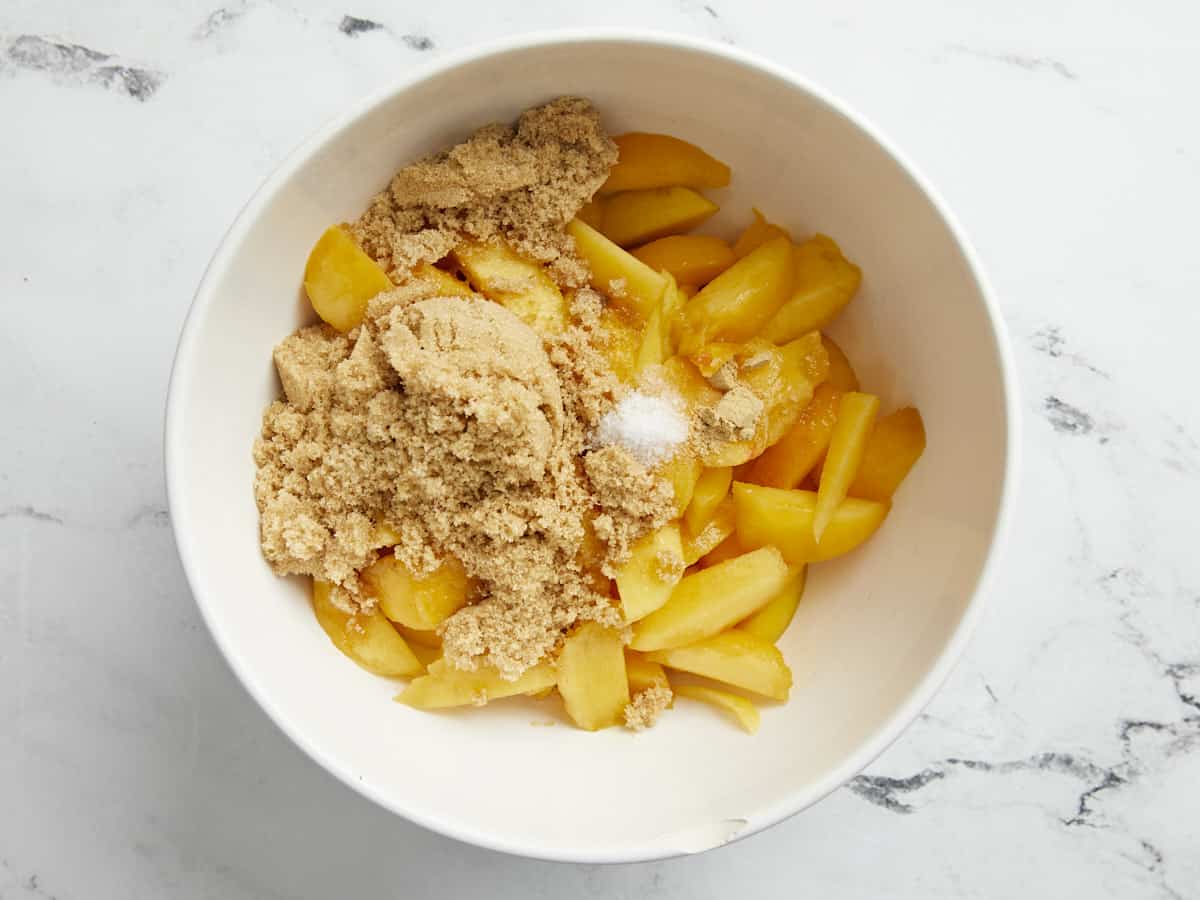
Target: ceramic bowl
column 877, row 631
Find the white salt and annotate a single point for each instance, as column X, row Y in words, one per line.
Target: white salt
column 650, row 428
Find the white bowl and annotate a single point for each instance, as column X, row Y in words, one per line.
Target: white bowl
column 877, row 632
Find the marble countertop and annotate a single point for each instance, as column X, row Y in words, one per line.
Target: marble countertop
column 1063, row 756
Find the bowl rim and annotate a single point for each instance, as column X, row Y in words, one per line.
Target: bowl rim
column 786, row 805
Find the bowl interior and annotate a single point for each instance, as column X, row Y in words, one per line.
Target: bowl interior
column 871, row 638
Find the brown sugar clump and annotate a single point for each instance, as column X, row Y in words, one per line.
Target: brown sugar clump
column 646, row 706
column 522, row 183
column 734, row 416
column 299, row 457
column 632, row 500
column 478, row 382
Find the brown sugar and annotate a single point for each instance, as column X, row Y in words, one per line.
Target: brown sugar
column 646, row 706
column 733, row 417
column 632, row 500
column 519, row 182
column 451, row 422
column 445, row 426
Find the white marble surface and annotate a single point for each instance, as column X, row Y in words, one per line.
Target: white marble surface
column 1062, row 759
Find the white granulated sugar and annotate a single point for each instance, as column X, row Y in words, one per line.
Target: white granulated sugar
column 648, row 427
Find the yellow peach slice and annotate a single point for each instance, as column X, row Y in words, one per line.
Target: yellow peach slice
column 892, row 450
column 739, row 301
column 692, row 259
column 856, row 418
column 592, row 678
column 367, row 638
column 706, row 602
column 780, row 518
column 340, row 278
column 634, row 217
column 825, row 281
column 659, row 160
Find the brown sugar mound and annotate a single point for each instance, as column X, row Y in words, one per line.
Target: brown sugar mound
column 519, row 182
column 478, row 382
column 449, row 420
column 445, row 426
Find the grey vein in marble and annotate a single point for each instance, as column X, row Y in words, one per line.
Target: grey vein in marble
column 353, row 26
column 417, row 41
column 77, row 64
column 882, row 791
column 157, row 516
column 1184, row 456
column 30, row 884
column 1067, row 419
column 1050, row 341
column 219, row 19
column 1126, row 586
column 1021, row 61
column 29, row 513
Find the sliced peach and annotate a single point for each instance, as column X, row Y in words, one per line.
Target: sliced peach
column 803, row 365
column 743, row 711
column 367, row 638
column 682, row 470
column 841, row 373
column 770, row 622
column 592, row 212
column 657, row 341
column 693, row 259
column 417, row 601
column 687, row 381
column 654, row 567
column 756, row 234
column 419, row 636
column 855, row 419
column 825, row 281
column 591, row 676
column 659, row 160
column 739, row 301
column 712, row 534
column 892, row 450
column 644, row 674
column 782, row 378
column 340, row 278
column 780, row 518
column 733, row 657
column 706, row 602
column 785, row 463
column 727, row 549
column 634, row 217
column 673, row 301
column 445, row 686
column 519, row 284
column 711, row 488
column 650, row 351
column 711, row 357
column 620, row 342
column 442, row 281
column 616, row 273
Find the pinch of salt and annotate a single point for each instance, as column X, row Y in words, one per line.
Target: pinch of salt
column 648, row 427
